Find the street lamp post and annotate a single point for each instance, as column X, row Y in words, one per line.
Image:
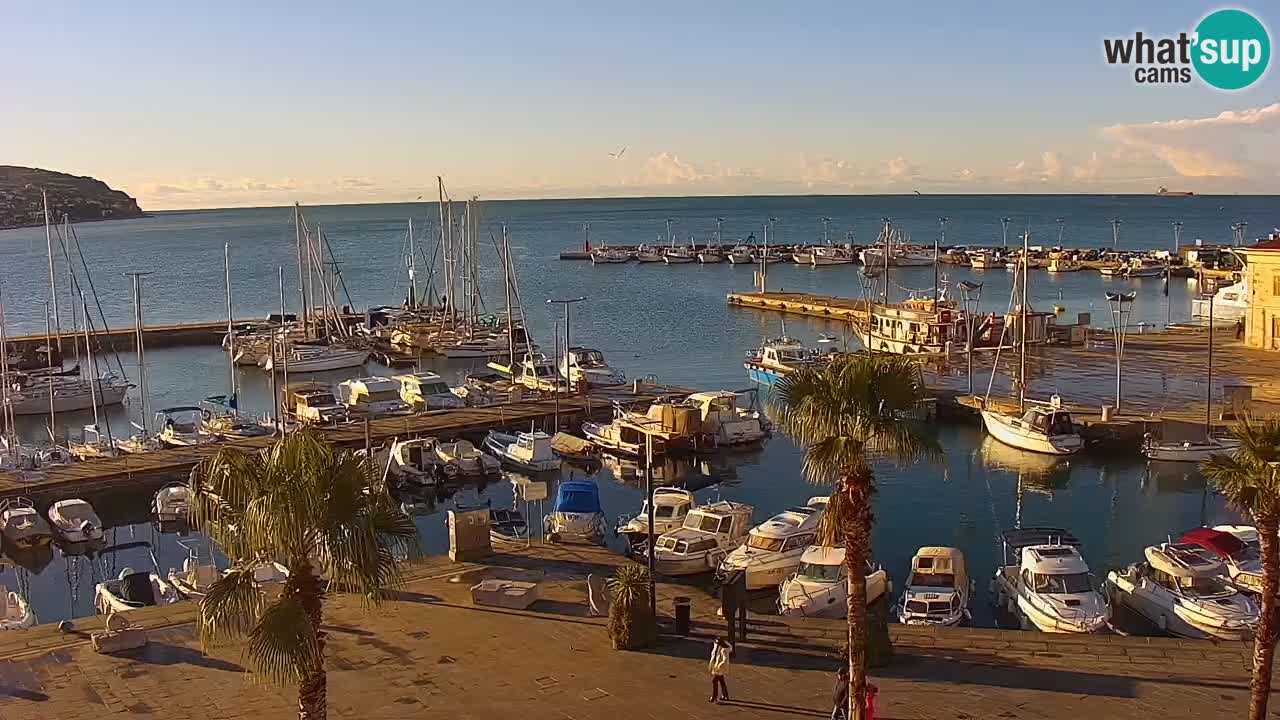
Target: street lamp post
column 867, row 278
column 1004, row 231
column 1120, row 310
column 971, row 292
column 566, row 303
column 1115, row 233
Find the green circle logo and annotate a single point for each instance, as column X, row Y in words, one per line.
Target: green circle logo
column 1231, row 49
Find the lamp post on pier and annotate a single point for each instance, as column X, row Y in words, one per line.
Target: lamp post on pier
column 566, row 303
column 1120, row 310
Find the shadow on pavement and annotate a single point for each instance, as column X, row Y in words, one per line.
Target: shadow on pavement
column 155, row 653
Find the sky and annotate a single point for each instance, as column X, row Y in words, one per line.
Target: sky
column 252, row 104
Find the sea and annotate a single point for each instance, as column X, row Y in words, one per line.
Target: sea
column 671, row 323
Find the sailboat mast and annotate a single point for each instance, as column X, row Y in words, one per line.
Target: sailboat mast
column 302, row 291
column 1208, row 404
column 511, row 321
column 231, row 335
column 1022, row 324
column 888, row 234
column 309, row 301
column 141, row 348
column 412, row 267
column 942, row 223
column 53, row 283
column 93, row 368
column 9, row 428
column 71, row 287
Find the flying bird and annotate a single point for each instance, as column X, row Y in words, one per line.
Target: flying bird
column 618, row 155
column 917, row 192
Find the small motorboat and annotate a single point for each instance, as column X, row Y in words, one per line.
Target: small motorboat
column 415, row 462
column 671, row 506
column 138, row 443
column 427, row 391
column 314, row 404
column 172, row 504
column 830, row 255
column 608, row 256
column 1237, row 547
column 508, row 526
column 23, row 528
column 1181, row 589
column 820, row 587
column 648, row 254
column 74, row 521
column 529, row 451
column 588, row 364
column 15, row 611
column 1043, row 428
column 773, row 548
column 194, row 579
column 1046, row 584
column 133, row 590
column 777, row 358
column 182, row 427
column 615, row 438
column 466, row 459
column 938, row 589
column 708, row 535
column 303, row 359
column 573, row 448
column 220, row 419
column 576, row 513
column 373, row 397
column 1191, row 451
column 93, row 445
column 677, row 255
column 741, row 255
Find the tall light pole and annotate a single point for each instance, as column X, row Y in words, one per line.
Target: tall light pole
column 826, row 230
column 1120, row 312
column 1168, row 273
column 566, row 303
column 1004, row 231
column 971, row 292
column 1115, row 233
column 942, row 225
column 648, row 490
column 719, row 231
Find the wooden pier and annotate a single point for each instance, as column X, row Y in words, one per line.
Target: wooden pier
column 181, row 334
column 820, row 306
column 173, row 464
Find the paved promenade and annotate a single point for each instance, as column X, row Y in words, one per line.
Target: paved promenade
column 431, row 653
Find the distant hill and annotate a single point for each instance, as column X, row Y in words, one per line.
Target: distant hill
column 82, row 198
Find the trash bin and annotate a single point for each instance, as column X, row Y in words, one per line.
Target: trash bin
column 683, row 614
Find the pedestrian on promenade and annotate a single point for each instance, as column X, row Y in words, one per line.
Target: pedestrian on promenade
column 840, row 694
column 719, row 667
column 1240, row 329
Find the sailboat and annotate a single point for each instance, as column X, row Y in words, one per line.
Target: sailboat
column 141, row 441
column 1043, row 427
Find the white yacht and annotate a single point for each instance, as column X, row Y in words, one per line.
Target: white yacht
column 22, row 527
column 1180, row 589
column 606, row 255
column 538, row 372
column 529, row 451
column 172, row 503
column 1230, row 303
column 741, row 255
column 133, row 590
column 427, row 391
column 1188, row 451
column 671, row 506
column 1237, row 547
column 587, row 364
column 464, row 456
column 414, row 462
column 1046, row 584
column 306, row 359
column 314, row 404
column 373, row 396
column 938, row 588
column 182, row 426
column 776, row 358
column 820, row 586
column 75, row 522
column 773, row 548
column 1042, row 427
column 36, row 395
column 709, row 533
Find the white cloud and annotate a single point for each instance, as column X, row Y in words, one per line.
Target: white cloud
column 667, row 168
column 900, row 168
column 1051, row 165
column 1212, row 147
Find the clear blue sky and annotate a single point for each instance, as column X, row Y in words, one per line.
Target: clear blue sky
column 258, row 103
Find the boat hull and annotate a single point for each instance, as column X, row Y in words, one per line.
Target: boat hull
column 1185, row 452
column 1001, row 428
column 68, row 399
column 334, row 361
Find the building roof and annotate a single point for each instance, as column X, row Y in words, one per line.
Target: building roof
column 1272, row 244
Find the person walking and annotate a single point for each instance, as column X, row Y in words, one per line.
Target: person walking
column 840, row 694
column 719, row 667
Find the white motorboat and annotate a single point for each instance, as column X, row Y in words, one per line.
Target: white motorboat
column 220, row 419
column 606, row 255
column 468, row 461
column 529, row 451
column 773, row 548
column 741, row 255
column 1237, row 547
column 710, row 255
column 576, row 513
column 1045, row 583
column 427, row 391
column 538, row 372
column 1189, row 451
column 1180, row 588
column 414, row 462
column 194, row 579
column 133, row 590
column 778, row 357
column 709, row 533
column 984, row 260
column 305, row 359
column 820, row 587
column 802, row 256
column 172, row 504
column 15, row 611
column 182, row 427
column 830, row 255
column 508, row 526
column 678, row 255
column 588, row 364
column 1229, row 303
column 938, row 588
column 648, row 254
column 671, row 506
column 726, row 423
column 372, row 396
column 1042, row 427
column 42, row 395
column 22, row 527
column 53, row 455
column 75, row 522
column 314, row 404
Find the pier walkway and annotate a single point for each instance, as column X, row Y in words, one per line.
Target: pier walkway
column 431, row 653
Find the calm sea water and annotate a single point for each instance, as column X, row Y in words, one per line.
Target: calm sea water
column 668, row 321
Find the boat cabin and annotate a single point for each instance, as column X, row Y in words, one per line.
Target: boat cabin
column 784, row 353
column 916, row 326
column 371, row 395
column 1048, row 420
column 938, row 567
column 1187, row 569
column 182, row 420
column 426, row 391
column 792, row 529
column 313, row 403
column 725, row 520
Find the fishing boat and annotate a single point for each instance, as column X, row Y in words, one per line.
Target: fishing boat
column 221, row 419
column 678, row 255
column 15, row 611
column 916, row 326
column 605, row 255
column 803, row 256
column 873, row 257
column 1237, row 547
column 314, row 404
column 648, row 254
column 1141, row 267
column 576, row 514
column 172, row 504
column 182, row 426
column 427, row 391
column 372, row 396
column 741, row 255
column 1180, row 588
column 984, row 260
column 468, row 461
column 133, row 590
column 708, row 535
column 670, row 507
column 938, row 588
column 726, row 424
column 74, row 522
column 300, row 359
column 614, row 437
column 22, row 527
column 830, row 255
column 778, row 357
column 508, row 527
column 529, row 451
column 820, row 586
column 710, row 255
column 773, row 548
column 588, row 364
column 1063, row 264
column 1046, row 584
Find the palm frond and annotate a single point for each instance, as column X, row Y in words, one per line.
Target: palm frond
column 1245, row 476
column 283, row 647
column 230, row 607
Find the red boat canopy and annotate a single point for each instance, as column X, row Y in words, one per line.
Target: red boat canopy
column 1223, row 544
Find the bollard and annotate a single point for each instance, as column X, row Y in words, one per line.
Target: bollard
column 683, row 614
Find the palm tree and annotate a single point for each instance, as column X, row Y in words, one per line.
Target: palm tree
column 845, row 415
column 1249, row 478
column 322, row 513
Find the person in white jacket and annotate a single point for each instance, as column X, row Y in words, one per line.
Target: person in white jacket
column 719, row 667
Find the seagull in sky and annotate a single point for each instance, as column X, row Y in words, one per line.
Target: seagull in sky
column 618, row 155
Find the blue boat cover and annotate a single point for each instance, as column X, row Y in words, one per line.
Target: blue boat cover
column 577, row 496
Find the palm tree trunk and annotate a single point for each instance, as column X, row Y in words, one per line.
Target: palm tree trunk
column 1264, row 643
column 857, row 489
column 313, row 699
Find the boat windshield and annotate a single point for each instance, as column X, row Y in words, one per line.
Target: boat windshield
column 383, row 395
column 768, row 544
column 936, row 580
column 1065, row 584
column 590, row 359
column 435, row 388
column 665, row 512
column 1204, row 588
column 819, row 573
column 707, row 523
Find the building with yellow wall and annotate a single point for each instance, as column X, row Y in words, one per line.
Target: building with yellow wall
column 1262, row 321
